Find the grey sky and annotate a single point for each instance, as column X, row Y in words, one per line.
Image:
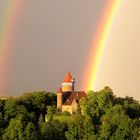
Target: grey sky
column 52, row 38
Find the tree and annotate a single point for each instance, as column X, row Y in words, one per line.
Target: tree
column 2, row 104
column 75, row 129
column 15, row 130
column 131, row 106
column 50, row 111
column 53, row 130
column 83, row 104
column 105, row 99
column 104, row 116
column 88, row 130
column 38, row 101
column 66, row 113
column 31, row 132
column 91, row 108
column 2, row 122
column 117, row 125
column 10, row 108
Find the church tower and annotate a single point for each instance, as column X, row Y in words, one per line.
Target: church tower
column 68, row 83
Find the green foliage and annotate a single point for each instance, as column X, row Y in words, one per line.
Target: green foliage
column 66, row 119
column 132, row 107
column 81, row 129
column 88, row 130
column 111, row 116
column 38, row 101
column 2, row 104
column 19, row 117
column 50, row 110
column 15, row 130
column 10, row 108
column 66, row 113
column 76, row 129
column 103, row 117
column 31, row 132
column 53, row 130
column 98, row 102
column 117, row 125
column 83, row 104
column 105, row 99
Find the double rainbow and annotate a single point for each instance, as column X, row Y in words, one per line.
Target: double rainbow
column 98, row 45
column 8, row 21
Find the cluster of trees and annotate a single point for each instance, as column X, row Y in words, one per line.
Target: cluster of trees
column 113, row 118
column 101, row 116
column 20, row 118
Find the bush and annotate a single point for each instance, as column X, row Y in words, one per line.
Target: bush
column 66, row 113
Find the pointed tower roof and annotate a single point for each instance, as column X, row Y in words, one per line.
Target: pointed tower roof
column 68, row 77
column 59, row 90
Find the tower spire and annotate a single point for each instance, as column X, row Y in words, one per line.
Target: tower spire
column 68, row 83
column 68, row 77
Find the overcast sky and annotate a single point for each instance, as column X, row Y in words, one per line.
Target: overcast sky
column 53, row 37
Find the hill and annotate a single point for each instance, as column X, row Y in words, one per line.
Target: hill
column 101, row 115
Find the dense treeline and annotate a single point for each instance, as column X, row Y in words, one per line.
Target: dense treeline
column 20, row 117
column 100, row 116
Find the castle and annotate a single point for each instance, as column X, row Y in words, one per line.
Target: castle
column 67, row 98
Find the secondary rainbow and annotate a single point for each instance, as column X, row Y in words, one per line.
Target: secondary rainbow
column 98, row 44
column 8, row 22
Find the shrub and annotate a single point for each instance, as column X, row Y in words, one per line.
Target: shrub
column 66, row 113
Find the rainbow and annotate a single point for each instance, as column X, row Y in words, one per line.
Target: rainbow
column 8, row 22
column 98, row 45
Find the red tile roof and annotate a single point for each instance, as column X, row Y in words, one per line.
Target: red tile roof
column 68, row 77
column 75, row 95
column 59, row 90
